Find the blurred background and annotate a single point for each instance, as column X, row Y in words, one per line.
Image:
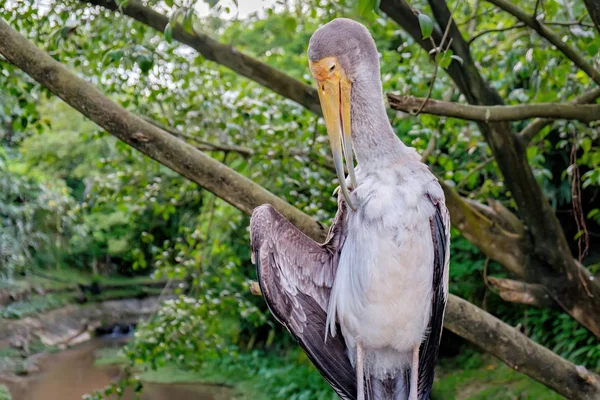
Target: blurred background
column 117, row 275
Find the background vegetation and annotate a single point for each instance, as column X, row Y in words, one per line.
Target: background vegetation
column 74, row 197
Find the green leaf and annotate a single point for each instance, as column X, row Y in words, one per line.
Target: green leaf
column 365, row 7
column 145, row 62
column 168, row 32
column 188, row 21
column 212, row 3
column 291, row 24
column 444, row 59
column 114, row 55
column 426, row 25
column 170, row 3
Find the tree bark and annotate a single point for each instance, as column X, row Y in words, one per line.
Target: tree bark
column 245, row 195
column 530, row 294
column 553, row 264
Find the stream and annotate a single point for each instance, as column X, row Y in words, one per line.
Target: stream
column 70, row 374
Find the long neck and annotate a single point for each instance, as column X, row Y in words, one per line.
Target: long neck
column 374, row 141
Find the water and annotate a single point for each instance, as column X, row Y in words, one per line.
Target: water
column 70, row 374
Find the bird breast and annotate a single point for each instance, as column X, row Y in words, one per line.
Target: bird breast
column 383, row 287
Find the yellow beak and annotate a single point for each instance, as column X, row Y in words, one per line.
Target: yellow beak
column 334, row 94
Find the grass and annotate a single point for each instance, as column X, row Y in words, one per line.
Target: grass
column 109, row 356
column 4, row 394
column 35, row 304
column 261, row 376
column 490, row 380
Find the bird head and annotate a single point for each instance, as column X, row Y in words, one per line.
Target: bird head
column 341, row 54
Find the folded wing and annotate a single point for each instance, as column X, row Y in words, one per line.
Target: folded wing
column 295, row 275
column 428, row 354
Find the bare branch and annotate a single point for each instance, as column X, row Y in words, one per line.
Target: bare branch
column 581, row 112
column 554, row 38
column 535, row 127
column 518, row 351
column 520, row 292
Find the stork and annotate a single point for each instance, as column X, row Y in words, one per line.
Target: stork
column 366, row 305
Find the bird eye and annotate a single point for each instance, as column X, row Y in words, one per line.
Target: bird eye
column 332, row 68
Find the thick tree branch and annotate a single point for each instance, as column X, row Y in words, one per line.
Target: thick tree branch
column 223, row 54
column 518, row 351
column 461, row 317
column 530, row 294
column 553, row 37
column 535, row 127
column 550, row 261
column 581, row 112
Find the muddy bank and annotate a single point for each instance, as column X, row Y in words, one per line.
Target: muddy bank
column 73, row 322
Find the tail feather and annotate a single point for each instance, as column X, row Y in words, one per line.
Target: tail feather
column 397, row 388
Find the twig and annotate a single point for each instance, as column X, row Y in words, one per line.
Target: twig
column 483, row 33
column 473, row 170
column 535, row 10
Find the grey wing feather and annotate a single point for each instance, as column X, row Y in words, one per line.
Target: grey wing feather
column 440, row 230
column 295, row 275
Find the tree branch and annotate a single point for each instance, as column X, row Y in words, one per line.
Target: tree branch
column 535, row 127
column 518, row 351
column 221, row 53
column 554, row 38
column 467, row 320
column 581, row 112
column 530, row 294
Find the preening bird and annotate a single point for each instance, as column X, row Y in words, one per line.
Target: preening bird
column 367, row 305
